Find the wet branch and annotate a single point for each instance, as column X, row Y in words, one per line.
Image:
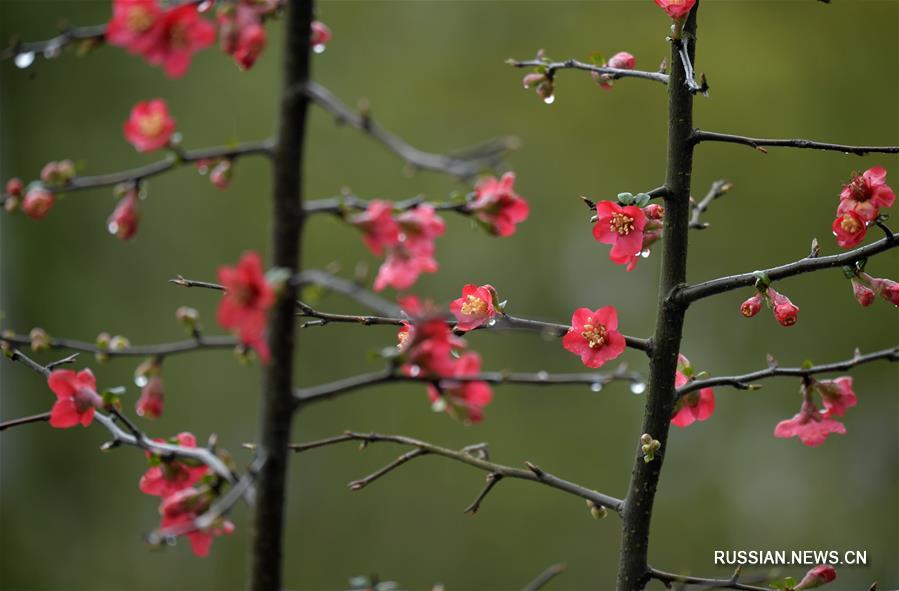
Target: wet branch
column 612, row 73
column 760, row 144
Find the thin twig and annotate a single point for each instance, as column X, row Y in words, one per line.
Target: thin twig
column 760, row 144
column 718, row 188
column 160, row 350
column 493, row 479
column 44, row 416
column 730, row 583
column 545, row 577
column 611, row 73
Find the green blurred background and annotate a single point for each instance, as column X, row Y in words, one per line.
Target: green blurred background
column 72, row 517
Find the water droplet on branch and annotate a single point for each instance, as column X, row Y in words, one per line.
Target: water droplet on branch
column 319, row 48
column 596, row 387
column 23, row 60
column 638, row 387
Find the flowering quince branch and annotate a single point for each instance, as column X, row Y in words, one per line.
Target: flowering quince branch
column 159, row 351
column 698, row 291
column 471, row 456
column 550, row 69
column 744, row 382
column 463, row 164
column 351, row 289
column 703, row 583
column 545, row 577
column 759, row 144
column 50, row 48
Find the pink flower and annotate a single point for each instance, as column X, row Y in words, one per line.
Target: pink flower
column 166, row 477
column 38, row 202
column 181, row 33
column 498, row 205
column 151, row 400
column 885, row 288
column 428, row 349
column 620, row 61
column 14, row 187
column 594, row 336
column 413, row 253
column 124, row 219
column 221, row 174
column 695, row 406
column 247, row 299
column 820, row 575
column 849, row 228
column 180, row 509
column 837, row 395
column 134, row 24
column 866, row 194
column 378, row 227
column 622, row 227
column 785, row 311
column 76, row 398
column 319, row 36
column 150, row 126
column 474, row 308
column 419, row 227
column 402, row 268
column 467, row 398
column 676, row 9
column 751, row 307
column 863, row 294
column 810, row 425
column 250, row 44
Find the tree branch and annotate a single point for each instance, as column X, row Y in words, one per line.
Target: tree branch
column 718, row 188
column 463, row 164
column 612, row 73
column 704, row 583
column 742, row 382
column 44, row 416
column 759, row 144
column 160, row 350
column 545, row 577
column 533, row 474
column 691, row 293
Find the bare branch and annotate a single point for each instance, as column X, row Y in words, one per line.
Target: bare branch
column 760, row 144
column 742, row 382
column 44, row 416
column 718, row 188
column 612, row 73
column 704, row 583
column 691, row 293
column 466, row 457
column 161, row 350
column 545, row 577
column 463, row 164
column 493, row 479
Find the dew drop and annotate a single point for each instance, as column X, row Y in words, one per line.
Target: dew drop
column 645, row 253
column 550, row 99
column 141, row 381
column 638, row 387
column 414, row 371
column 113, row 228
column 203, row 169
column 596, row 387
column 319, row 48
column 542, row 375
column 492, row 322
column 25, row 59
column 205, row 5
column 438, row 405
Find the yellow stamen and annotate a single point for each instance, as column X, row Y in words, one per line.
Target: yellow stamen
column 594, row 335
column 622, row 224
column 474, row 305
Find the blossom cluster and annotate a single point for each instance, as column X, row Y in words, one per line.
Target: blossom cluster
column 785, row 311
column 812, row 424
column 631, row 226
column 860, row 203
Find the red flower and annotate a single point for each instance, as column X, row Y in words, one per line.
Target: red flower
column 751, row 307
column 181, row 32
column 419, row 227
column 319, row 36
column 38, row 202
column 594, row 336
column 402, row 268
column 150, row 126
column 474, row 308
column 885, row 288
column 866, row 194
column 378, row 226
column 837, row 395
column 620, row 61
column 622, row 227
column 467, row 398
column 247, row 299
column 152, row 398
column 180, row 509
column 820, row 575
column 785, row 311
column 863, row 294
column 497, row 204
column 849, row 228
column 428, row 349
column 133, row 25
column 695, row 406
column 76, row 398
column 124, row 219
column 413, row 253
column 810, row 425
column 250, row 44
column 676, row 9
column 167, row 477
column 14, row 187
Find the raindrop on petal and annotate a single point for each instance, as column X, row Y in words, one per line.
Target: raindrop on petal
column 645, row 253
column 141, row 381
column 113, row 228
column 492, row 322
column 550, row 99
column 638, row 387
column 414, row 371
column 23, row 60
column 205, row 5
column 319, row 48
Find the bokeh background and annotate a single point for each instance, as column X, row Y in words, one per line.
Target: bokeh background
column 72, row 517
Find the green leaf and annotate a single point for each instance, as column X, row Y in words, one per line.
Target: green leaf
column 625, row 198
column 642, row 200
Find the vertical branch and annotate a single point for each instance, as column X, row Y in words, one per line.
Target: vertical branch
column 633, row 570
column 287, row 221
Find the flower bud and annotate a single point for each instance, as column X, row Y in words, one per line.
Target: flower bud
column 14, row 187
column 820, row 575
column 50, row 173
column 533, row 79
column 38, row 202
column 187, row 316
column 885, row 288
column 751, row 307
column 784, row 310
column 152, row 397
column 123, row 221
column 863, row 294
column 622, row 61
column 118, row 343
column 654, row 211
column 597, row 511
column 646, row 438
column 221, row 174
column 11, row 203
column 40, row 341
column 320, row 36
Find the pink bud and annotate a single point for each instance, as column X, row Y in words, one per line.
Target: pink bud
column 654, row 211
column 622, row 61
column 250, row 44
column 152, row 397
column 886, row 288
column 785, row 311
column 751, row 307
column 320, row 35
column 221, row 174
column 14, row 187
column 532, row 79
column 50, row 173
column 820, row 575
column 862, row 293
column 38, row 202
column 124, row 219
